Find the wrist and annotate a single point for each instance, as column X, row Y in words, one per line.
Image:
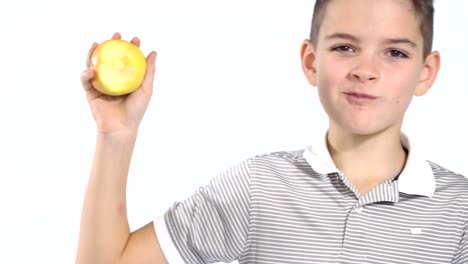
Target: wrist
column 118, row 136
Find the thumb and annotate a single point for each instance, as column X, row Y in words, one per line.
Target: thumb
column 85, row 78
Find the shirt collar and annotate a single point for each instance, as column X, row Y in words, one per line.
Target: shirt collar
column 417, row 178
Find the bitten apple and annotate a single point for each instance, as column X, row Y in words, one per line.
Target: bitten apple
column 119, row 66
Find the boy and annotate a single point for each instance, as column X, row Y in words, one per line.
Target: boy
column 360, row 194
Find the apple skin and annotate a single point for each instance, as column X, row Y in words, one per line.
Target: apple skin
column 119, row 67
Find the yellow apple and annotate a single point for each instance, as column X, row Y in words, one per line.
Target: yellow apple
column 119, row 66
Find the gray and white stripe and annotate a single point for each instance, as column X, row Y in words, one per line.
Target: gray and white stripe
column 275, row 208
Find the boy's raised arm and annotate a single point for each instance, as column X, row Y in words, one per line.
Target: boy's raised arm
column 104, row 232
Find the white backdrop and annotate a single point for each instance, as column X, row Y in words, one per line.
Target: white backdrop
column 228, row 86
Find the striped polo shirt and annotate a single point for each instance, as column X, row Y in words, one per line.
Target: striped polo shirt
column 297, row 207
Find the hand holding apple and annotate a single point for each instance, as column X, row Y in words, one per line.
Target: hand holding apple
column 119, row 66
column 118, row 83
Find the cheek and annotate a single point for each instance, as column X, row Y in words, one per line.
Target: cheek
column 403, row 88
column 331, row 78
column 330, row 74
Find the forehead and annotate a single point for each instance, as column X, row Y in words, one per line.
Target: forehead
column 372, row 19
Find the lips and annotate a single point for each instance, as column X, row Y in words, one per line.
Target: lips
column 357, row 98
column 361, row 95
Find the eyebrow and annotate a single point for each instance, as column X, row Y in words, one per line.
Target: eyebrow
column 352, row 38
column 401, row 41
column 342, row 36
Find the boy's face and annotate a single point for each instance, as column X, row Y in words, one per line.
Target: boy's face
column 368, row 64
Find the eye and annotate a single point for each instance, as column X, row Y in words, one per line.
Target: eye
column 397, row 54
column 343, row 48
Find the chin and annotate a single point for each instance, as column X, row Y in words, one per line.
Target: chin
column 363, row 125
column 363, row 129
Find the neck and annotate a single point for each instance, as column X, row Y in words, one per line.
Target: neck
column 375, row 157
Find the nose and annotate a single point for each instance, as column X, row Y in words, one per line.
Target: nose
column 365, row 71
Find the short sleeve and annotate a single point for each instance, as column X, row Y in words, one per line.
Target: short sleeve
column 211, row 225
column 461, row 257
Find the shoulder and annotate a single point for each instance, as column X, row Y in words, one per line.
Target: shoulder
column 281, row 162
column 291, row 155
column 444, row 174
column 285, row 158
column 449, row 180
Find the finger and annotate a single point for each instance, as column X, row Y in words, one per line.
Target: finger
column 136, row 41
column 147, row 85
column 85, row 78
column 116, row 35
column 90, row 53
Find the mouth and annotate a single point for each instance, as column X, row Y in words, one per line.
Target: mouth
column 360, row 98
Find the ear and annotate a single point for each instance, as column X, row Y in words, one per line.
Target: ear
column 429, row 73
column 308, row 59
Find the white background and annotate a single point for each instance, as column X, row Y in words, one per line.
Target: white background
column 228, row 86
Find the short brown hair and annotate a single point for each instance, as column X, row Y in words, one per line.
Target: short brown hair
column 424, row 9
